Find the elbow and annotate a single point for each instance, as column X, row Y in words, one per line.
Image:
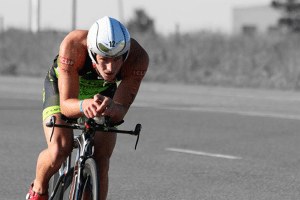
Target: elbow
column 64, row 109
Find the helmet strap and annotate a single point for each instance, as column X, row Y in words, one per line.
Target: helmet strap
column 92, row 56
column 99, row 75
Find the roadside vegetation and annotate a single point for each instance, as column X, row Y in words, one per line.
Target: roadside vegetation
column 206, row 58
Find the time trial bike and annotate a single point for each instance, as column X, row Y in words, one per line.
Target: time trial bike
column 81, row 181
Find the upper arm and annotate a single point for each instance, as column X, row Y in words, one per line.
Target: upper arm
column 71, row 59
column 134, row 71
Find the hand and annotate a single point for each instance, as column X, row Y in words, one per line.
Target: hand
column 107, row 106
column 89, row 107
column 99, row 106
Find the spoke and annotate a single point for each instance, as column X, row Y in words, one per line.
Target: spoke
column 89, row 188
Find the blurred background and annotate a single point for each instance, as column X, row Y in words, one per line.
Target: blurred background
column 223, row 79
column 249, row 43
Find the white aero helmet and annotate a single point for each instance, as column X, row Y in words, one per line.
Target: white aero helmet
column 109, row 38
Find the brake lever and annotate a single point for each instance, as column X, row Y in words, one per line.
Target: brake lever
column 137, row 131
column 137, row 141
column 52, row 123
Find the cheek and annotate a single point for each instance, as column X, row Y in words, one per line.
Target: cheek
column 119, row 65
column 97, row 67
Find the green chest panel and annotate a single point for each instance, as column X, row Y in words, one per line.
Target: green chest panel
column 88, row 88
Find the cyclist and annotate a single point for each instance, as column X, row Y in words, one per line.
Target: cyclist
column 83, row 82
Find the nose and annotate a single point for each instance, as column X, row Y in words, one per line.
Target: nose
column 110, row 66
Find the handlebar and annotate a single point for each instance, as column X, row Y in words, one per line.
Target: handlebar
column 91, row 125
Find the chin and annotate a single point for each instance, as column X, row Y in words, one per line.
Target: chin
column 108, row 78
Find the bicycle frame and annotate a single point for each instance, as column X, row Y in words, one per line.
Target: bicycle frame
column 84, row 152
column 65, row 172
column 84, row 146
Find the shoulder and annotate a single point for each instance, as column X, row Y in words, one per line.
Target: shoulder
column 137, row 51
column 137, row 62
column 74, row 47
column 77, row 38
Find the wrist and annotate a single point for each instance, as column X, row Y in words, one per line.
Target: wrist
column 80, row 106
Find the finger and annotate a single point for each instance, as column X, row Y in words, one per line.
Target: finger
column 96, row 105
column 103, row 106
column 107, row 111
column 87, row 113
column 99, row 98
column 110, row 110
column 94, row 110
column 91, row 112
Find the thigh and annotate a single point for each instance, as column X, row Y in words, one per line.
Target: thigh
column 62, row 138
column 50, row 95
column 104, row 145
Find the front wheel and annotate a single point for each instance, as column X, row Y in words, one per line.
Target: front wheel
column 90, row 180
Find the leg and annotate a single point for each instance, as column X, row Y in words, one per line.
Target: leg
column 104, row 146
column 50, row 159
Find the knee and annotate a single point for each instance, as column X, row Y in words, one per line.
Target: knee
column 59, row 153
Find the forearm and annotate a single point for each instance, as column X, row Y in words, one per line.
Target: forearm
column 120, row 113
column 71, row 108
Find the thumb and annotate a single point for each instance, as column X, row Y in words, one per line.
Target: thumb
column 98, row 98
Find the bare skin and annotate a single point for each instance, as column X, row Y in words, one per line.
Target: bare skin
column 73, row 51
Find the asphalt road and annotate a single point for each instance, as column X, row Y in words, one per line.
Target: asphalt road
column 239, row 144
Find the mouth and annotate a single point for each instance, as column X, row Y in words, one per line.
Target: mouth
column 109, row 74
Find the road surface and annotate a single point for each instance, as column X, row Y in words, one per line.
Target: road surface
column 196, row 143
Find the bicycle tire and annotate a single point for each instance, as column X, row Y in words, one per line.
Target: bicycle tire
column 90, row 174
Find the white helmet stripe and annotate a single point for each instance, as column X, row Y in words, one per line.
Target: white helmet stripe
column 112, row 31
column 97, row 36
column 123, row 34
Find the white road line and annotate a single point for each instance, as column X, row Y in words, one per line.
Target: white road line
column 203, row 153
column 219, row 110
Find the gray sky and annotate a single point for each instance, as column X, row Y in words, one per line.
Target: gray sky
column 191, row 15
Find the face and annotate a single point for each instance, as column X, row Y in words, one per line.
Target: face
column 108, row 67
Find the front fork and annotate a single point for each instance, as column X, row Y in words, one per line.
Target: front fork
column 84, row 152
